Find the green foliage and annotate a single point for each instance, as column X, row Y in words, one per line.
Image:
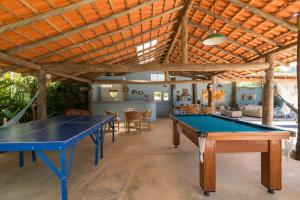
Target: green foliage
column 60, row 98
column 15, row 92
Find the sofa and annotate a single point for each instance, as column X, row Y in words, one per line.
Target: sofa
column 251, row 110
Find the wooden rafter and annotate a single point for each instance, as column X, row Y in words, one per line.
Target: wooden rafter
column 265, row 15
column 79, row 29
column 221, row 49
column 18, row 61
column 126, row 49
column 97, row 38
column 232, row 41
column 121, row 42
column 237, row 25
column 154, row 67
column 187, row 7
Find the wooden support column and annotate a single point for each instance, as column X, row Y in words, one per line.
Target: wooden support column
column 234, row 95
column 184, row 40
column 195, row 93
column 211, row 96
column 268, row 99
column 42, row 97
column 298, row 86
column 173, row 87
column 90, row 96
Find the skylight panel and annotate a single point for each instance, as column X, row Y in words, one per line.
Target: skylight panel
column 145, row 50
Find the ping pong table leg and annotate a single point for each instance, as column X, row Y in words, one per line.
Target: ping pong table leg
column 97, row 143
column 102, row 134
column 64, row 178
column 33, row 155
column 65, row 168
column 21, row 158
column 113, row 131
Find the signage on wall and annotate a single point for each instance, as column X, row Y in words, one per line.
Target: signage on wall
column 248, row 97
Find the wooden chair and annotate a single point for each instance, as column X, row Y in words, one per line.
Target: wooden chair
column 76, row 112
column 205, row 110
column 145, row 118
column 116, row 119
column 192, row 110
column 135, row 118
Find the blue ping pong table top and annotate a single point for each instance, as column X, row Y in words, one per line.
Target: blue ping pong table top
column 55, row 133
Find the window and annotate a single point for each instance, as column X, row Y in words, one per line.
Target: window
column 157, row 96
column 157, row 77
column 106, row 86
column 146, row 51
column 113, row 93
column 166, row 96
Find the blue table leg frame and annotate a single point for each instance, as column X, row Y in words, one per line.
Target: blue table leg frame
column 65, row 168
column 66, row 165
column 21, row 158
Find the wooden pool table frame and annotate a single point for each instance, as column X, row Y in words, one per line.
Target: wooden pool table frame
column 268, row 143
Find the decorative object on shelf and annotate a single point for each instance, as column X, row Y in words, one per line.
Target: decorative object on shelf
column 248, row 97
column 133, row 92
column 146, row 97
column 140, row 93
column 185, row 92
column 209, row 87
column 214, row 38
column 125, row 89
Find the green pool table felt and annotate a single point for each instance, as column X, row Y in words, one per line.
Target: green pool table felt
column 210, row 123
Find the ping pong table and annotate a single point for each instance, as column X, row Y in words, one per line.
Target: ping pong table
column 57, row 134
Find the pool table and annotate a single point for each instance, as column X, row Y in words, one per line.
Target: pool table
column 214, row 134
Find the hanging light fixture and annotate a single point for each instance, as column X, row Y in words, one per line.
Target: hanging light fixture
column 214, row 38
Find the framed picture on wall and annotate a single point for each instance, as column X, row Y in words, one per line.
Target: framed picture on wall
column 125, row 89
column 140, row 93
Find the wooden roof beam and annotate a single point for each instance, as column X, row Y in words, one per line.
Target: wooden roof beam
column 18, row 61
column 234, row 42
column 106, row 35
column 188, row 6
column 208, row 53
column 44, row 15
column 81, row 28
column 145, row 82
column 127, row 48
column 108, row 47
column 150, row 53
column 237, row 25
column 265, row 15
column 275, row 51
column 193, row 55
column 74, row 68
column 220, row 49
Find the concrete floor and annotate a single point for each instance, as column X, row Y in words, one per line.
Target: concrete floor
column 141, row 167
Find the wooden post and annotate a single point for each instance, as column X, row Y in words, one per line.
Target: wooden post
column 211, row 93
column 42, row 97
column 234, row 95
column 172, row 92
column 184, row 40
column 195, row 93
column 298, row 86
column 268, row 99
column 90, row 96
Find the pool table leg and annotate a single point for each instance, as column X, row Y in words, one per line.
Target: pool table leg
column 176, row 136
column 208, row 168
column 271, row 166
